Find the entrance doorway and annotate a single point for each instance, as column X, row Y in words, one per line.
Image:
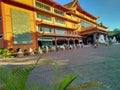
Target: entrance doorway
column 88, row 39
column 46, row 41
column 61, row 41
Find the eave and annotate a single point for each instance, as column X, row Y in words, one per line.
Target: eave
column 53, row 25
column 75, row 5
column 89, row 20
column 92, row 30
column 87, row 14
column 55, row 4
column 59, row 35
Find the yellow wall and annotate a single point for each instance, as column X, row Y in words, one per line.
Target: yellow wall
column 68, row 16
column 69, row 24
column 7, row 23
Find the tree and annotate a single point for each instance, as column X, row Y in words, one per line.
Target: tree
column 115, row 31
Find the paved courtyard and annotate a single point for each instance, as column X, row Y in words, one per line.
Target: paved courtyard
column 90, row 64
column 87, row 55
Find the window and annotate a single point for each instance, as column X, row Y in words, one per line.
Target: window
column 57, row 20
column 44, row 16
column 88, row 25
column 58, row 12
column 75, row 33
column 83, row 24
column 70, row 32
column 60, row 31
column 46, row 29
column 44, row 7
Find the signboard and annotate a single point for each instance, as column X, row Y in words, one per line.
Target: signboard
column 45, row 39
column 21, row 27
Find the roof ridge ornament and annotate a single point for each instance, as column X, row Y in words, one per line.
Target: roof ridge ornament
column 98, row 17
column 75, row 1
column 101, row 23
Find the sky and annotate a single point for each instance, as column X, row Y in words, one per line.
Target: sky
column 108, row 10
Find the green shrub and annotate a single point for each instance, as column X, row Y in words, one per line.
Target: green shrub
column 5, row 53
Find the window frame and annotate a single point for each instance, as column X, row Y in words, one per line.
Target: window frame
column 45, row 27
column 49, row 17
column 43, row 5
column 63, row 22
column 59, row 29
column 59, row 13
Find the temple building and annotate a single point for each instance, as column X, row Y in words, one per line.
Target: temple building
column 31, row 23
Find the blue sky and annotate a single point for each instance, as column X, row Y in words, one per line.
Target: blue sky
column 109, row 10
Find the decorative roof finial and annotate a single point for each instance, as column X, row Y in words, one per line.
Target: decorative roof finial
column 98, row 17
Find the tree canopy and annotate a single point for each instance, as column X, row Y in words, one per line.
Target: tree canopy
column 114, row 32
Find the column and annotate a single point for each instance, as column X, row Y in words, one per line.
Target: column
column 94, row 37
column 55, row 41
column 73, row 41
column 68, row 41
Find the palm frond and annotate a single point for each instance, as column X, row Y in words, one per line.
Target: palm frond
column 22, row 73
column 38, row 59
column 67, row 81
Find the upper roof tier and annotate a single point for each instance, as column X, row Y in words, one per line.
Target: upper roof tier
column 75, row 4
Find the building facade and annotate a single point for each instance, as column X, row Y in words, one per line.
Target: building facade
column 31, row 23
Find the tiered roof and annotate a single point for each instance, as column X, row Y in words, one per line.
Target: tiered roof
column 74, row 5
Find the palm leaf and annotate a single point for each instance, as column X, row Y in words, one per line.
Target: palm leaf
column 36, row 63
column 22, row 73
column 67, row 81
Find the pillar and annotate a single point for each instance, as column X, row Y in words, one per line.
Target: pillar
column 55, row 41
column 78, row 41
column 68, row 41
column 94, row 37
column 73, row 41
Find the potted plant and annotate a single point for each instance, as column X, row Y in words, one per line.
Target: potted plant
column 40, row 50
column 20, row 53
column 31, row 51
